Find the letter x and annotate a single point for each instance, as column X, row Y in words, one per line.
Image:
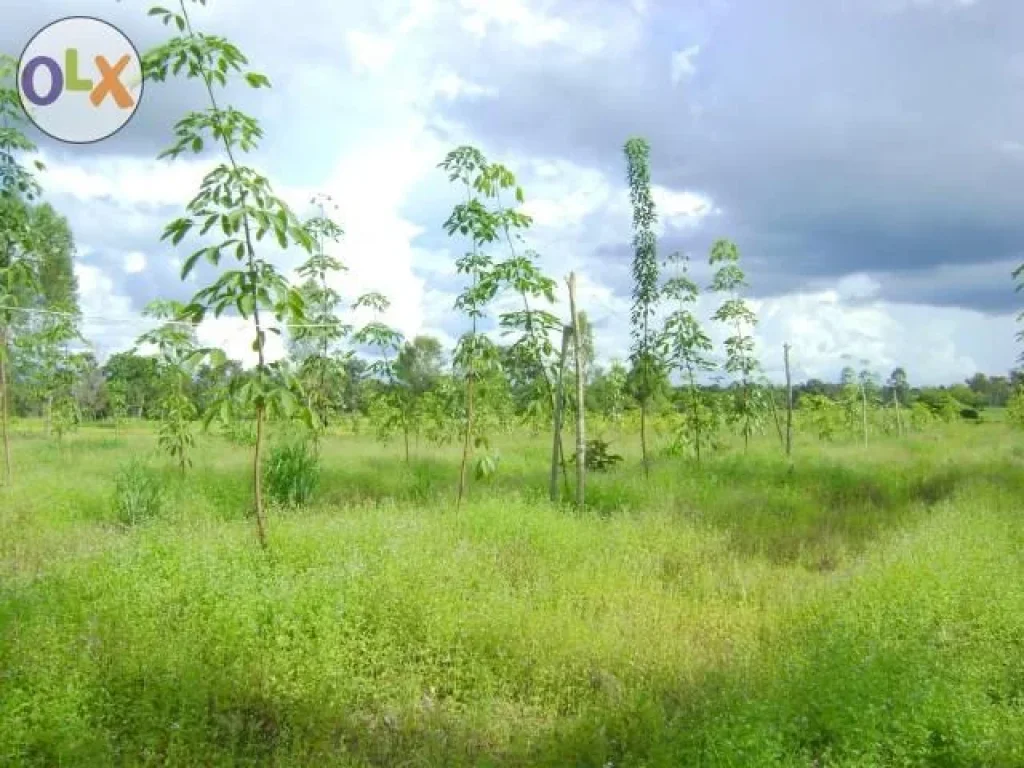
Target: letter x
column 110, row 82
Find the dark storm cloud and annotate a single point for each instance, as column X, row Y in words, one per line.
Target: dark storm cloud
column 835, row 137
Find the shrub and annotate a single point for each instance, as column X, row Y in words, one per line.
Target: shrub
column 138, row 493
column 969, row 413
column 598, row 458
column 292, row 471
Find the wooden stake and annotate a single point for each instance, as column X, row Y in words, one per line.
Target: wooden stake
column 556, row 441
column 581, row 443
column 775, row 416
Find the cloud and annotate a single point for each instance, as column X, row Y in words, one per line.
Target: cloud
column 843, row 138
column 368, row 53
column 864, row 156
column 683, row 65
column 134, row 262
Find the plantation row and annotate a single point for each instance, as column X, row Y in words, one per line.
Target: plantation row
column 236, row 224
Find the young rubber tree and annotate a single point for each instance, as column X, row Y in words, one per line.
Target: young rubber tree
column 748, row 407
column 239, row 204
column 822, row 414
column 476, row 357
column 317, row 339
column 899, row 387
column 643, row 350
column 687, row 348
column 179, row 355
column 117, row 397
column 389, row 408
column 867, row 381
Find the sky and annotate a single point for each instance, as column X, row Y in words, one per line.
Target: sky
column 866, row 156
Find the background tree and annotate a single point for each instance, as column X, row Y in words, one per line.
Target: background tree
column 241, row 203
column 419, row 364
column 42, row 356
column 90, row 388
column 138, row 378
column 645, row 277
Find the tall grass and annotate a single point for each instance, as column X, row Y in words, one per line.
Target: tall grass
column 862, row 610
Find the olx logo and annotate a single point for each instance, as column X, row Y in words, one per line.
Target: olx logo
column 80, row 79
column 70, row 80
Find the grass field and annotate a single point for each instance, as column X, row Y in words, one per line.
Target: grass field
column 864, row 609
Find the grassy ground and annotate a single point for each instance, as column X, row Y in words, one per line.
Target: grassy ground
column 864, row 609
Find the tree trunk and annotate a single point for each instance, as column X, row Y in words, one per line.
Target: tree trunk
column 257, row 478
column 4, row 410
column 864, row 411
column 556, row 442
column 581, row 443
column 405, row 430
column 643, row 436
column 899, row 414
column 789, row 405
column 466, row 439
column 695, row 409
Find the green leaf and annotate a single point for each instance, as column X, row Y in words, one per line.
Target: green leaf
column 257, row 80
column 190, row 263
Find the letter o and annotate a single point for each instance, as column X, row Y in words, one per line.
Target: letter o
column 56, row 81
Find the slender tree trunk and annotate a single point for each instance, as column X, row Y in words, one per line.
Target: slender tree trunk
column 643, row 436
column 789, row 405
column 257, row 478
column 5, row 412
column 405, row 430
column 257, row 461
column 695, row 410
column 864, row 412
column 899, row 414
column 556, row 441
column 465, row 441
column 581, row 442
column 253, row 277
column 746, row 416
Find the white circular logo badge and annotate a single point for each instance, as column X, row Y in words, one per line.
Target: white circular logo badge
column 80, row 80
